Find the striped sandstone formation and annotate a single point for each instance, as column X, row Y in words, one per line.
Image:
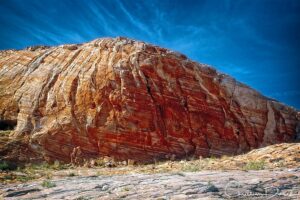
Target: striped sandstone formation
column 132, row 100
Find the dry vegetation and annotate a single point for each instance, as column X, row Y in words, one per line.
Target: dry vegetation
column 271, row 157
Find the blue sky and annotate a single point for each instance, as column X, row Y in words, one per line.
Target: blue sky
column 255, row 41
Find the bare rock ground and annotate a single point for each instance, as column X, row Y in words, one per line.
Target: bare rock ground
column 232, row 184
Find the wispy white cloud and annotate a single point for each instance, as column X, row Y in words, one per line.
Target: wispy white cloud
column 134, row 20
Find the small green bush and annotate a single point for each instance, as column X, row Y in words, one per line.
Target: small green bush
column 48, row 184
column 8, row 177
column 6, row 166
column 25, row 178
column 191, row 168
column 255, row 165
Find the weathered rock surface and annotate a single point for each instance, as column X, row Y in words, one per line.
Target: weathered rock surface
column 200, row 185
column 129, row 99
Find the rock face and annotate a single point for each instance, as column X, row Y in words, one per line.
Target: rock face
column 132, row 100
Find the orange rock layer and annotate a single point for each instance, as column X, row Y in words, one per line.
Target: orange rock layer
column 132, row 100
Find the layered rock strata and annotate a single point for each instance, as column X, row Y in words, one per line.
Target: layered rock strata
column 132, row 100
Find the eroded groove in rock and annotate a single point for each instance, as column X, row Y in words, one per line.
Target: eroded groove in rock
column 129, row 99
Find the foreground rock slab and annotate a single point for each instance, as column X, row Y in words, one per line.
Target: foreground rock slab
column 264, row 184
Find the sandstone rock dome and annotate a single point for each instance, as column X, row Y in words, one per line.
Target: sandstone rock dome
column 132, row 100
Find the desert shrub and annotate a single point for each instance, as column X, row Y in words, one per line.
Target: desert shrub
column 4, row 165
column 255, row 165
column 7, row 166
column 191, row 168
column 4, row 133
column 100, row 162
column 8, row 177
column 72, row 174
column 57, row 165
column 48, row 184
column 25, row 178
column 46, row 166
